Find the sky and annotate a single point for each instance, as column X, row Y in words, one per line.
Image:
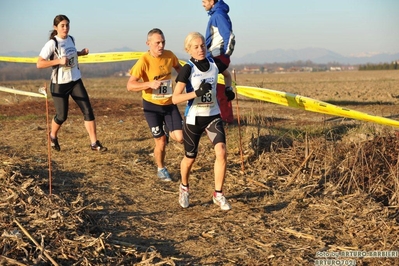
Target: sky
column 347, row 27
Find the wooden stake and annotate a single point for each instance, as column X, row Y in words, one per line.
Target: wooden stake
column 50, row 178
column 238, row 121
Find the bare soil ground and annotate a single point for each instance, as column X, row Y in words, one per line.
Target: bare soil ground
column 305, row 186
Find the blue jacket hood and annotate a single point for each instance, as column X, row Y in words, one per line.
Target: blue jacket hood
column 220, row 7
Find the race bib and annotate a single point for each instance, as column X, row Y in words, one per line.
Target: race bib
column 206, row 101
column 71, row 62
column 164, row 91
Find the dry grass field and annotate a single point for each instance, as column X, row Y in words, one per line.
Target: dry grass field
column 304, row 187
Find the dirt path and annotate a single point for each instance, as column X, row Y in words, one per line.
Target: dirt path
column 273, row 221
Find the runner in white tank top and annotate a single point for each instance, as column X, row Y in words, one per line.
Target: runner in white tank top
column 198, row 79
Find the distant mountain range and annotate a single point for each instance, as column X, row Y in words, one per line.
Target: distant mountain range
column 316, row 55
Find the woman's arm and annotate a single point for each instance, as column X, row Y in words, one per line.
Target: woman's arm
column 43, row 63
column 178, row 95
column 84, row 51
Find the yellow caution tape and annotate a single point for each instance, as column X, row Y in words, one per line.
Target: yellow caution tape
column 109, row 57
column 94, row 58
column 27, row 93
column 277, row 97
column 309, row 104
column 86, row 59
column 273, row 96
column 19, row 59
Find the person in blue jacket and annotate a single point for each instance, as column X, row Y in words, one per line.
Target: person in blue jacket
column 220, row 42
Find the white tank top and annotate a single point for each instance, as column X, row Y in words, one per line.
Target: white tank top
column 206, row 105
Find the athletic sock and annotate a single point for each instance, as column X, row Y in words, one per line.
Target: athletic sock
column 217, row 193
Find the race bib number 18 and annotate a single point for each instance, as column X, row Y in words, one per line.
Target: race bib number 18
column 164, row 91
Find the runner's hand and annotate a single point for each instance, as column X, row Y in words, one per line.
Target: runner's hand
column 229, row 94
column 203, row 89
column 155, row 84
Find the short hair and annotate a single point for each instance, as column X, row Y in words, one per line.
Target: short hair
column 190, row 37
column 154, row 31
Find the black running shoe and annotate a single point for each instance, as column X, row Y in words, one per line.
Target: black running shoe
column 54, row 144
column 98, row 147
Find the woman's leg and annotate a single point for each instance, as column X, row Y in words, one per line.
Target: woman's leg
column 220, row 165
column 80, row 96
column 91, row 129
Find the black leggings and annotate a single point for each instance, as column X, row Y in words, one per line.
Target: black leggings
column 60, row 94
column 212, row 125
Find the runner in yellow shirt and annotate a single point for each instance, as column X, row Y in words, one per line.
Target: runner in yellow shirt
column 152, row 75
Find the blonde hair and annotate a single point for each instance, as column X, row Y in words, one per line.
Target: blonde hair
column 190, row 37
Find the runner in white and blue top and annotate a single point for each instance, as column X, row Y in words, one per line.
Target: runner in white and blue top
column 198, row 78
column 204, row 70
column 201, row 113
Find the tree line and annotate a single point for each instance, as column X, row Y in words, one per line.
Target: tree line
column 381, row 66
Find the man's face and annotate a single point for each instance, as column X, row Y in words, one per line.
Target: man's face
column 207, row 4
column 156, row 43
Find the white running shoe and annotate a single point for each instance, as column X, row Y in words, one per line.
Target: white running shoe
column 221, row 201
column 183, row 196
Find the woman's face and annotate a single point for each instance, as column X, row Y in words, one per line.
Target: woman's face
column 197, row 49
column 62, row 29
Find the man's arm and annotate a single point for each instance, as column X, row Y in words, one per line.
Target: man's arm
column 226, row 31
column 178, row 67
column 135, row 85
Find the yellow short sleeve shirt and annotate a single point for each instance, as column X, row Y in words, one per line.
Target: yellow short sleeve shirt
column 149, row 68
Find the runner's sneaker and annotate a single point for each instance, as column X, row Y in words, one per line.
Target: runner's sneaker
column 220, row 200
column 163, row 174
column 98, row 147
column 183, row 196
column 54, row 144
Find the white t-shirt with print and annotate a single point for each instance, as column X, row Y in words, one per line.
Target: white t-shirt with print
column 66, row 47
